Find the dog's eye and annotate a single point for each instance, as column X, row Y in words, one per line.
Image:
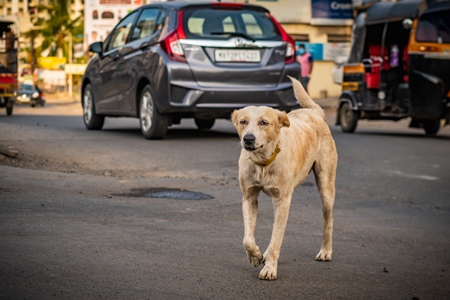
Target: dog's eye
column 243, row 122
column 263, row 122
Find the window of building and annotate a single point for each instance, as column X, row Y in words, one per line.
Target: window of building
column 300, row 37
column 339, row 38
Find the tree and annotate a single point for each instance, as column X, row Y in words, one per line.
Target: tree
column 55, row 31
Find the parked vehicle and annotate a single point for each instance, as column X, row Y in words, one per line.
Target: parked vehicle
column 8, row 64
column 398, row 66
column 172, row 60
column 30, row 94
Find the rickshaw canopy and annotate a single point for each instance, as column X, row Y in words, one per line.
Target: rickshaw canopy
column 382, row 12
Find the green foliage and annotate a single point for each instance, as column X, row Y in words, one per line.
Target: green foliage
column 56, row 31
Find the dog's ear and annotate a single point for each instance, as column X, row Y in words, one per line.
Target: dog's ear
column 283, row 119
column 235, row 117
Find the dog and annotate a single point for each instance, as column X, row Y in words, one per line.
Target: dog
column 278, row 151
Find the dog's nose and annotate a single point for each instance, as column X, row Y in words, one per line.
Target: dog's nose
column 249, row 139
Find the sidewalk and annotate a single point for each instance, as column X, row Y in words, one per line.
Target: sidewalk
column 61, row 98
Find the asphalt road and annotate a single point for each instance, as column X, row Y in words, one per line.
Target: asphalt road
column 77, row 220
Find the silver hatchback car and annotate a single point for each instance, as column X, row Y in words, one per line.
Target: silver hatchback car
column 172, row 60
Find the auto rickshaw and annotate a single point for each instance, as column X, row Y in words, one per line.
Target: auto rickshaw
column 399, row 66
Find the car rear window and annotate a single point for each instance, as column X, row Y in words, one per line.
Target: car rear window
column 221, row 23
column 434, row 28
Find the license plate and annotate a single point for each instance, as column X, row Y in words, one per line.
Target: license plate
column 237, row 55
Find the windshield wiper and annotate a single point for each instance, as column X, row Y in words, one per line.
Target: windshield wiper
column 236, row 34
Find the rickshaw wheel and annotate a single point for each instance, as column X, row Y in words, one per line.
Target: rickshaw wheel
column 348, row 118
column 431, row 127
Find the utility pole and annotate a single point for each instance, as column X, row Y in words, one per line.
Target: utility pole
column 32, row 12
column 33, row 52
column 70, row 62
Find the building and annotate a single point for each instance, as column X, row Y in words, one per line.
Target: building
column 325, row 27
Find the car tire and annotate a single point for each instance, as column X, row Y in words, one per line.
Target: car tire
column 431, row 127
column 92, row 121
column 204, row 124
column 153, row 124
column 348, row 118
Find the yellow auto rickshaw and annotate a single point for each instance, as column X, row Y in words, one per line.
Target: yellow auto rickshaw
column 399, row 65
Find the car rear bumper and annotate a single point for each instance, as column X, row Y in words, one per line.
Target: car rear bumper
column 178, row 92
column 193, row 100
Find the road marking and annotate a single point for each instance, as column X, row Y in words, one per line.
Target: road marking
column 416, row 176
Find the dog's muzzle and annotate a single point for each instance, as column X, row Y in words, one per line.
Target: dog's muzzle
column 249, row 142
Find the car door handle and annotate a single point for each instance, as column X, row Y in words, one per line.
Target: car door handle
column 144, row 45
column 115, row 56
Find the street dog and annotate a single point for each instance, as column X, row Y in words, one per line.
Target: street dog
column 278, row 151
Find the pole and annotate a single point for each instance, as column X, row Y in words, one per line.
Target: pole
column 70, row 61
column 33, row 53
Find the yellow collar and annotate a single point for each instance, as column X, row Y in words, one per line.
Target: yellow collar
column 270, row 160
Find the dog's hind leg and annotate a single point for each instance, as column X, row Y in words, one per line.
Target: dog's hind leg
column 325, row 174
column 250, row 212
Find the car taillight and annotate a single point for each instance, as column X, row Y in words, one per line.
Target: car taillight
column 171, row 43
column 290, row 49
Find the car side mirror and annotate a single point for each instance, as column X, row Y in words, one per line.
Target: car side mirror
column 407, row 24
column 96, row 47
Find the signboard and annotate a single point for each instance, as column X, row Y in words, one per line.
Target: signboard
column 75, row 69
column 100, row 17
column 331, row 12
column 332, row 51
column 315, row 49
column 285, row 11
column 51, row 62
column 327, row 51
column 78, row 50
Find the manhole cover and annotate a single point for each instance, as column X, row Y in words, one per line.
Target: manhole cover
column 177, row 194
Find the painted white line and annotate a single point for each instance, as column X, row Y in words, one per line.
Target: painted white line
column 416, row 176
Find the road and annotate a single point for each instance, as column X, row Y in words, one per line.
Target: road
column 78, row 219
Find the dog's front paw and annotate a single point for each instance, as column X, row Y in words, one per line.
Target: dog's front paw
column 268, row 273
column 324, row 255
column 255, row 259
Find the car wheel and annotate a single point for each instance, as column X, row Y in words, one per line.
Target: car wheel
column 204, row 124
column 153, row 124
column 431, row 127
column 92, row 121
column 348, row 117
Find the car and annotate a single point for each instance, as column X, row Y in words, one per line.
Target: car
column 30, row 94
column 172, row 60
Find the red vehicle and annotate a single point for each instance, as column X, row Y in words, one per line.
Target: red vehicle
column 8, row 64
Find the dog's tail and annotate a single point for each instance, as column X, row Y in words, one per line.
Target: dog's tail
column 303, row 98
